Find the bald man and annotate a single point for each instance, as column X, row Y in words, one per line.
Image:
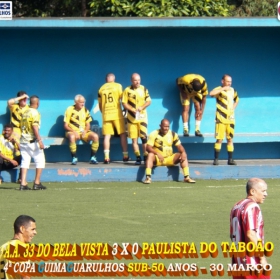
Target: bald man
column 246, row 223
column 135, row 100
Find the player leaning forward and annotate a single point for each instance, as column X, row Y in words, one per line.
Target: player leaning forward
column 160, row 152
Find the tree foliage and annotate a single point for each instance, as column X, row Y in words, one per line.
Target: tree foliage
column 158, row 8
column 49, row 8
column 256, row 8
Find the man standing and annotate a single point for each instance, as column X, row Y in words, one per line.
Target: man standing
column 17, row 107
column 31, row 144
column 227, row 100
column 159, row 147
column 135, row 100
column 77, row 125
column 192, row 87
column 24, row 231
column 109, row 96
column 246, row 223
column 9, row 149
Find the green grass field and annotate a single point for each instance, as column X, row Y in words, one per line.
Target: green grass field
column 134, row 212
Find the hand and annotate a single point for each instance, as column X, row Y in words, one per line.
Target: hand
column 14, row 162
column 198, row 114
column 160, row 157
column 41, row 145
column 139, row 109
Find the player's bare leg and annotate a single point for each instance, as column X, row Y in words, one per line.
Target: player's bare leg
column 23, row 185
column 185, row 166
column 106, row 145
column 150, row 161
column 198, row 118
column 135, row 147
column 185, row 118
column 124, row 147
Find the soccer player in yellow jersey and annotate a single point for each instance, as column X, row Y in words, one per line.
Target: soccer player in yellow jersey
column 9, row 149
column 192, row 87
column 159, row 147
column 227, row 100
column 31, row 145
column 24, row 231
column 135, row 100
column 77, row 125
column 109, row 99
column 17, row 107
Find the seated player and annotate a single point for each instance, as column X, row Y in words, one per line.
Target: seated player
column 77, row 125
column 160, row 152
column 9, row 149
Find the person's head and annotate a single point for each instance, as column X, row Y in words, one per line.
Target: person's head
column 34, row 101
column 256, row 189
column 196, row 85
column 8, row 130
column 24, row 228
column 79, row 102
column 110, row 78
column 226, row 80
column 22, row 102
column 135, row 80
column 164, row 126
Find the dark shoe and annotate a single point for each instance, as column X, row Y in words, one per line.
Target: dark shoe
column 138, row 161
column 231, row 162
column 24, row 188
column 198, row 133
column 107, row 161
column 216, row 161
column 93, row 160
column 39, row 187
column 126, row 159
column 186, row 133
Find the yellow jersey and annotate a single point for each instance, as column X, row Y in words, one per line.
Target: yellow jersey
column 109, row 96
column 77, row 120
column 30, row 118
column 163, row 143
column 136, row 98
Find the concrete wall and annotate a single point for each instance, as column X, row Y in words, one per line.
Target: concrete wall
column 56, row 63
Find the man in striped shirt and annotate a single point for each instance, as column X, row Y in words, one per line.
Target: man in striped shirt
column 246, row 224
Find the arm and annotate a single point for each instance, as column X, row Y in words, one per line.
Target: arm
column 217, row 91
column 150, row 149
column 12, row 161
column 141, row 108
column 12, row 101
column 37, row 136
column 182, row 151
column 252, row 236
column 129, row 108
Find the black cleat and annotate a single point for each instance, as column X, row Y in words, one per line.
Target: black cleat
column 186, row 133
column 24, row 188
column 37, row 187
column 126, row 159
column 138, row 161
column 231, row 162
column 216, row 161
column 198, row 133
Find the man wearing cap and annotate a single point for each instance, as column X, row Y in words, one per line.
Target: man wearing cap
column 192, row 87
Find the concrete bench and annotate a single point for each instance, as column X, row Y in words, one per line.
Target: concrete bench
column 207, row 138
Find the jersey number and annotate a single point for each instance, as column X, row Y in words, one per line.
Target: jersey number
column 108, row 98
